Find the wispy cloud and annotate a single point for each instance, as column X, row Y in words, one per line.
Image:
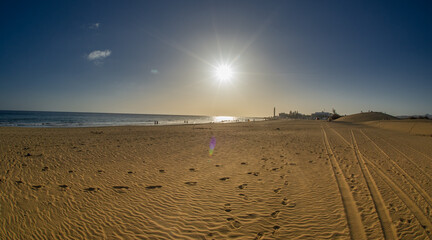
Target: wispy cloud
column 94, row 25
column 154, row 71
column 99, row 55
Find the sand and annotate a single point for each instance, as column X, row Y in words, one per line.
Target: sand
column 366, row 116
column 265, row 180
column 412, row 126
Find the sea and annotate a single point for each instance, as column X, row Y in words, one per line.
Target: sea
column 85, row 119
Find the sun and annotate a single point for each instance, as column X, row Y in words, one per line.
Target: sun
column 224, row 72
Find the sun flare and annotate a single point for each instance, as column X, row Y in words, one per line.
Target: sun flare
column 224, row 72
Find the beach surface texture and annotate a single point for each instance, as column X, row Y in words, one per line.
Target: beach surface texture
column 279, row 179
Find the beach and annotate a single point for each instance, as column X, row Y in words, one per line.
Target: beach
column 279, row 179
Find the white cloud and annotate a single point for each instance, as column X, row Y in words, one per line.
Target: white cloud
column 99, row 55
column 94, row 25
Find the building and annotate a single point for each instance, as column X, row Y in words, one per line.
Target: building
column 321, row 115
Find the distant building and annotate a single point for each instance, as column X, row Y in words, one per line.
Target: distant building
column 292, row 115
column 321, row 115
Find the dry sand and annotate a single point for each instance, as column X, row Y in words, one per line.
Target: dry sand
column 366, row 116
column 265, row 180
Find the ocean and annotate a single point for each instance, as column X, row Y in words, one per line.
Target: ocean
column 80, row 119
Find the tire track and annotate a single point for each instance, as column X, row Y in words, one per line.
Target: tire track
column 421, row 153
column 419, row 189
column 405, row 156
column 353, row 217
column 340, row 136
column 417, row 212
column 414, row 208
column 388, row 228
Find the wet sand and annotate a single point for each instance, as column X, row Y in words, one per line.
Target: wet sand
column 265, row 180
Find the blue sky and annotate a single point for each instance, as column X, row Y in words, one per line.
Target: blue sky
column 160, row 56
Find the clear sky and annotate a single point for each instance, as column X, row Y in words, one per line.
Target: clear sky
column 160, row 56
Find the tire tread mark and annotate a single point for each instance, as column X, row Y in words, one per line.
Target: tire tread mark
column 353, row 217
column 419, row 189
column 405, row 156
column 388, row 227
column 341, row 136
column 417, row 212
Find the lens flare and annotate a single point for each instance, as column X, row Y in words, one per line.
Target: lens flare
column 212, row 146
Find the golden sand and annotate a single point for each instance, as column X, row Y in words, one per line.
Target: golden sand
column 366, row 116
column 265, row 180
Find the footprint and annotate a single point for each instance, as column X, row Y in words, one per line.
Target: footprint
column 275, row 214
column 242, row 186
column 192, row 169
column 120, row 189
column 227, row 207
column 71, row 171
column 99, row 171
column 18, row 182
column 243, row 163
column 254, row 173
column 153, row 187
column 130, row 172
column 234, row 223
column 288, row 203
column 259, row 236
column 275, row 229
column 224, row 178
column 90, row 189
column 191, row 183
column 63, row 186
column 217, row 165
column 277, row 190
column 292, row 205
column 162, row 171
column 44, row 169
column 36, row 187
column 249, row 216
column 244, row 196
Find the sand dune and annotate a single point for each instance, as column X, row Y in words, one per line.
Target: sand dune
column 411, row 126
column 265, row 180
column 366, row 116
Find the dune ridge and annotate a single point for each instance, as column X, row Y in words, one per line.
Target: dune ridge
column 366, row 116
